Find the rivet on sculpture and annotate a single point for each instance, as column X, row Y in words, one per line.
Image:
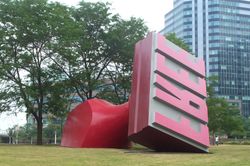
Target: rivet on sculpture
column 167, row 108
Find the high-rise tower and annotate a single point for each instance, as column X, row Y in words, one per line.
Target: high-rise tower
column 219, row 32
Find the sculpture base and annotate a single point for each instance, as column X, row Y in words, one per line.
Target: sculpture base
column 159, row 141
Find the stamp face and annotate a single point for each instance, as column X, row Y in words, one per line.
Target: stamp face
column 168, row 93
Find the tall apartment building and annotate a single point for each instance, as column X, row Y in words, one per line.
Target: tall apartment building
column 219, row 32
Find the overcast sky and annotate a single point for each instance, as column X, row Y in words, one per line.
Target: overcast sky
column 152, row 11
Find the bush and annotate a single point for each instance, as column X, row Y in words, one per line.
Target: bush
column 238, row 142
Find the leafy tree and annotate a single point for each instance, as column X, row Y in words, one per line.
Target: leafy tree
column 211, row 81
column 223, row 118
column 28, row 28
column 59, row 101
column 49, row 52
column 124, row 37
column 50, row 131
column 246, row 123
column 234, row 125
column 97, row 49
column 11, row 134
column 179, row 42
column 27, row 133
column 84, row 54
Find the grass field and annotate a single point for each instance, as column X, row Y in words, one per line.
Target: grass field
column 23, row 155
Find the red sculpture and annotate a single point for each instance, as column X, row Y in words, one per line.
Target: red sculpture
column 97, row 124
column 167, row 108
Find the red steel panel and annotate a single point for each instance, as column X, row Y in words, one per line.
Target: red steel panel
column 139, row 100
column 97, row 124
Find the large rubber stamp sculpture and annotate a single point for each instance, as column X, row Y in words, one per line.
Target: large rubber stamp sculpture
column 167, row 108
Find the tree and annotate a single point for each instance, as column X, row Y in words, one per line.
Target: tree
column 211, row 81
column 179, row 42
column 223, row 118
column 11, row 134
column 28, row 28
column 89, row 55
column 246, row 122
column 124, row 37
column 59, row 52
column 27, row 133
column 83, row 54
column 52, row 133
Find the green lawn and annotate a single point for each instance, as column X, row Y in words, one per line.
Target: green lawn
column 23, row 155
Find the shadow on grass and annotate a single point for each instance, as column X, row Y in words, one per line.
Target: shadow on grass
column 144, row 150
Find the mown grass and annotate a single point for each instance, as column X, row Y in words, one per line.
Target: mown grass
column 23, row 155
